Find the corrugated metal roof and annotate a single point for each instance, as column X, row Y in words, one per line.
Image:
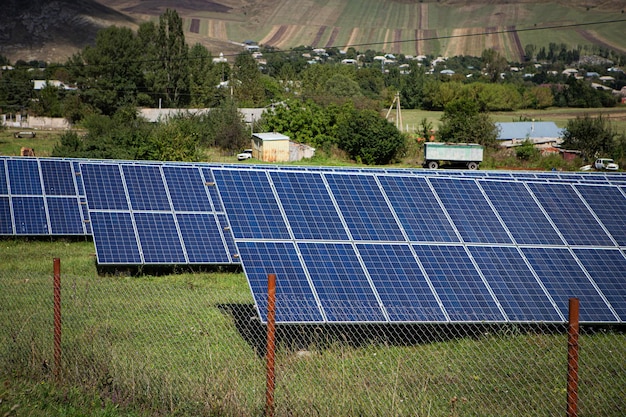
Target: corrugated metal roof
column 271, row 136
column 531, row 130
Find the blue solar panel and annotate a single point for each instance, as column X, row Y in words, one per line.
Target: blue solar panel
column 521, row 214
column 343, row 288
column 569, row 213
column 114, row 237
column 295, row 300
column 418, row 210
column 159, row 239
column 609, row 205
column 187, row 189
column 462, row 291
column 228, row 237
column 403, row 289
column 512, row 282
column 58, row 178
column 607, row 268
column 4, row 187
column 104, row 188
column 30, row 216
column 251, row 206
column 563, row 278
column 313, row 216
column 364, row 207
column 65, row 216
column 146, row 189
column 216, row 200
column 470, row 212
column 6, row 221
column 24, row 177
column 203, row 239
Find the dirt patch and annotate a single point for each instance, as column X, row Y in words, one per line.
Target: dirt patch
column 516, row 43
column 333, row 37
column 598, row 40
column 194, row 27
column 354, row 34
column 277, row 35
column 318, row 36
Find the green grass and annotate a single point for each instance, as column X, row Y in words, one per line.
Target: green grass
column 43, row 143
column 184, row 345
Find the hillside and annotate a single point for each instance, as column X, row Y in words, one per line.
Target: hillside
column 412, row 27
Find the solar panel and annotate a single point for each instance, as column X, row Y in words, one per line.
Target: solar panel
column 30, row 216
column 6, row 222
column 607, row 268
column 609, row 205
column 469, row 211
column 168, row 209
column 343, row 288
column 348, row 245
column 522, row 215
column 520, row 294
column 364, row 208
column 563, row 278
column 24, row 177
column 418, row 209
column 313, row 217
column 571, row 216
column 460, row 287
column 404, row 291
column 295, row 299
column 251, row 206
column 114, row 238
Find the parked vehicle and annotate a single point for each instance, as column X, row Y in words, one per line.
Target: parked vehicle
column 25, row 134
column 606, row 163
column 246, row 154
column 468, row 154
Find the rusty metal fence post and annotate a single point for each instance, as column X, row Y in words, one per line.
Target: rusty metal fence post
column 271, row 344
column 57, row 317
column 572, row 358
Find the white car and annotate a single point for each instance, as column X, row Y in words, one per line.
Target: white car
column 246, row 154
column 606, row 163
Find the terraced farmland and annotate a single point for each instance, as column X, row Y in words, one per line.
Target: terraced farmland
column 410, row 27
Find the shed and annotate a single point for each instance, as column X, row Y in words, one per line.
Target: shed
column 270, row 147
column 540, row 133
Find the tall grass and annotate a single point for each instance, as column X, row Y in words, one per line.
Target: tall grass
column 189, row 344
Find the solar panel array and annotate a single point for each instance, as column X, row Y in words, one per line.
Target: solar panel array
column 41, row 197
column 349, row 245
column 369, row 246
column 156, row 214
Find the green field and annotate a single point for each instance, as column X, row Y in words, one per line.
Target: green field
column 185, row 344
column 376, row 24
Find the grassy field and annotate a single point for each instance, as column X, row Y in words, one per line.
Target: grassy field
column 185, row 344
column 560, row 116
column 43, row 143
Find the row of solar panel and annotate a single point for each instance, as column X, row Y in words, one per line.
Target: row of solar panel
column 369, row 282
column 42, row 197
column 157, row 214
column 366, row 207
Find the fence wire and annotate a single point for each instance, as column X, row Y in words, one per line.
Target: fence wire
column 192, row 344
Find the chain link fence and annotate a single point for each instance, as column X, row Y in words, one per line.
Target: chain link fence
column 191, row 344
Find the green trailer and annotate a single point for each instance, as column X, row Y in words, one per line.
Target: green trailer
column 468, row 154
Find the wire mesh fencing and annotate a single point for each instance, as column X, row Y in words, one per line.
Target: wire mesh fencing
column 192, row 344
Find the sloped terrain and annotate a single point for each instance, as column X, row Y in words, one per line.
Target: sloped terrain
column 52, row 30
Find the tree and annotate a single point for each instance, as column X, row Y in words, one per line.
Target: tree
column 202, row 77
column 369, row 138
column 170, row 70
column 593, row 136
column 246, row 81
column 494, row 64
column 462, row 121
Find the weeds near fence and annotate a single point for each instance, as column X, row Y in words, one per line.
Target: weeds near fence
column 190, row 344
